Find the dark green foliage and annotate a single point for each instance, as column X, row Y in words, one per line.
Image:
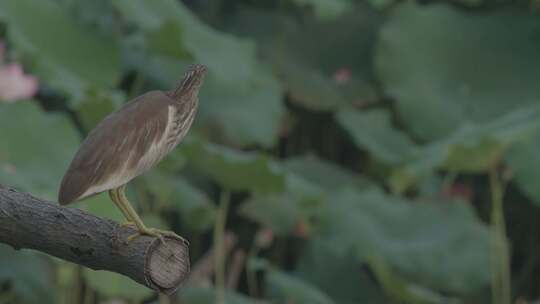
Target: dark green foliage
column 354, row 138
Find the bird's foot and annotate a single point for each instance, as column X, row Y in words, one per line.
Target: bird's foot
column 160, row 234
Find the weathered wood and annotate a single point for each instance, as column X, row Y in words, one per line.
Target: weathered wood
column 79, row 237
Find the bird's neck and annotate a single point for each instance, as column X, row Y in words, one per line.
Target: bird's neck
column 188, row 87
column 186, row 102
column 189, row 97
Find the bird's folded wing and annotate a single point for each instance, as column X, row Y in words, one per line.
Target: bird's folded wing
column 109, row 156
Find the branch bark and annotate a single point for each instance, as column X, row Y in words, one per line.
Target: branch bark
column 100, row 244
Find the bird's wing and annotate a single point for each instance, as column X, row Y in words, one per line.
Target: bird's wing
column 113, row 147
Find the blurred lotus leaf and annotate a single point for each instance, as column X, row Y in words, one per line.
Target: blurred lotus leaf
column 167, row 41
column 236, row 170
column 196, row 209
column 58, row 47
column 444, row 247
column 230, row 59
column 309, row 180
column 524, row 161
column 25, row 271
column 313, row 57
column 327, row 9
column 470, row 68
column 323, row 174
column 373, row 130
column 115, row 285
column 96, row 104
column 207, row 295
column 246, row 115
column 400, row 289
column 473, row 147
column 35, row 149
column 280, row 212
column 338, row 276
column 286, row 288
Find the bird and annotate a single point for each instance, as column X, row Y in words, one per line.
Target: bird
column 129, row 142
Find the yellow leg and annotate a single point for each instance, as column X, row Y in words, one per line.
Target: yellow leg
column 113, row 194
column 132, row 216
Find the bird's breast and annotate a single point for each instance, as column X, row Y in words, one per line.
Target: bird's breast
column 180, row 120
column 178, row 123
column 181, row 110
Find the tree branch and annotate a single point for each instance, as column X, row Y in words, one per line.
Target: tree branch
column 76, row 236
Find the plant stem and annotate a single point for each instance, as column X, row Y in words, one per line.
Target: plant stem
column 163, row 298
column 253, row 289
column 500, row 278
column 219, row 236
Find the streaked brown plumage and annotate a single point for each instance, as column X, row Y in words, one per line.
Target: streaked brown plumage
column 132, row 140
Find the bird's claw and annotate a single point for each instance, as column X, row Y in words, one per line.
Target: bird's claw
column 160, row 234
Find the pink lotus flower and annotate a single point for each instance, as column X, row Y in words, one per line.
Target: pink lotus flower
column 264, row 237
column 343, row 75
column 14, row 84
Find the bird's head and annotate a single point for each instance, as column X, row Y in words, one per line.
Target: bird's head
column 191, row 83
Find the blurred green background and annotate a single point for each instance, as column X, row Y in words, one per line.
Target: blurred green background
column 345, row 151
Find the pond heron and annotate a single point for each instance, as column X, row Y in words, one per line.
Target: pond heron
column 130, row 141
